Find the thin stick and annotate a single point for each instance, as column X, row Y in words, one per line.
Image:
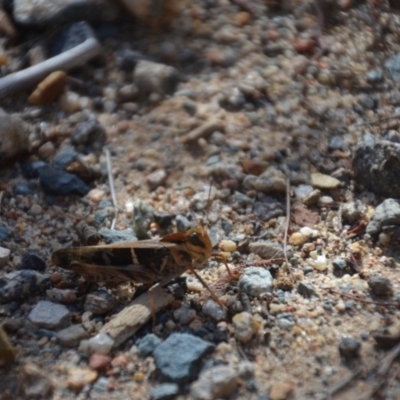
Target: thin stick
column 342, row 384
column 213, row 295
column 285, row 237
column 112, row 190
column 29, row 77
column 356, row 298
column 387, row 361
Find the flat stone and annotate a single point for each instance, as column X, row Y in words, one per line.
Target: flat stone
column 50, row 315
column 178, row 358
column 266, row 250
column 322, row 181
column 80, row 377
column 166, row 391
column 71, row 336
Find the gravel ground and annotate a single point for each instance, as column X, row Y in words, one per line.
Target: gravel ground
column 251, row 99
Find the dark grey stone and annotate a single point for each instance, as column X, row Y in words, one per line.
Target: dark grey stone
column 55, row 182
column 393, row 66
column 349, row 348
column 31, row 170
column 4, row 233
column 113, row 236
column 66, row 156
column 89, row 136
column 178, row 357
column 306, row 289
column 380, row 286
column 22, row 189
column 17, row 285
column 377, row 167
column 33, row 262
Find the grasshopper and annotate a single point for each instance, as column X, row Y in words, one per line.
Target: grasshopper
column 152, row 262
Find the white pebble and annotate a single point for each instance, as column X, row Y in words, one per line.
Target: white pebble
column 101, row 344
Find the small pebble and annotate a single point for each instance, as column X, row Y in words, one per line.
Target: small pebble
column 281, row 391
column 96, row 195
column 349, row 348
column 101, row 343
column 184, row 315
column 306, row 289
column 321, row 181
column 156, row 179
column 245, row 326
column 99, row 362
column 71, row 336
column 35, row 210
column 297, row 239
column 228, row 246
column 380, row 286
column 80, row 377
column 312, row 198
column 255, row 281
column 219, row 382
column 214, row 311
column 4, row 256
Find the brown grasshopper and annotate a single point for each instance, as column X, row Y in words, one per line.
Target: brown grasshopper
column 152, row 262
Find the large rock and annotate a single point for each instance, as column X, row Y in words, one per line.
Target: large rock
column 377, row 167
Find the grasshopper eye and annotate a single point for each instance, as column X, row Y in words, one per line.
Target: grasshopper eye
column 195, row 240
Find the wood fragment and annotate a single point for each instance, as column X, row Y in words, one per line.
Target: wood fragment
column 128, row 321
column 203, row 131
column 87, row 234
column 49, row 89
column 29, row 77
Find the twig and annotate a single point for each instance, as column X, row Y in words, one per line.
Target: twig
column 112, row 190
column 285, row 237
column 356, row 298
column 342, row 384
column 388, row 359
column 127, row 322
column 29, row 77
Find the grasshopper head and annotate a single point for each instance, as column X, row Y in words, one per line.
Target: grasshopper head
column 198, row 245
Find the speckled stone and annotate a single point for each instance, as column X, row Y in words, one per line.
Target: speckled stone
column 50, row 315
column 255, row 281
column 179, row 356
